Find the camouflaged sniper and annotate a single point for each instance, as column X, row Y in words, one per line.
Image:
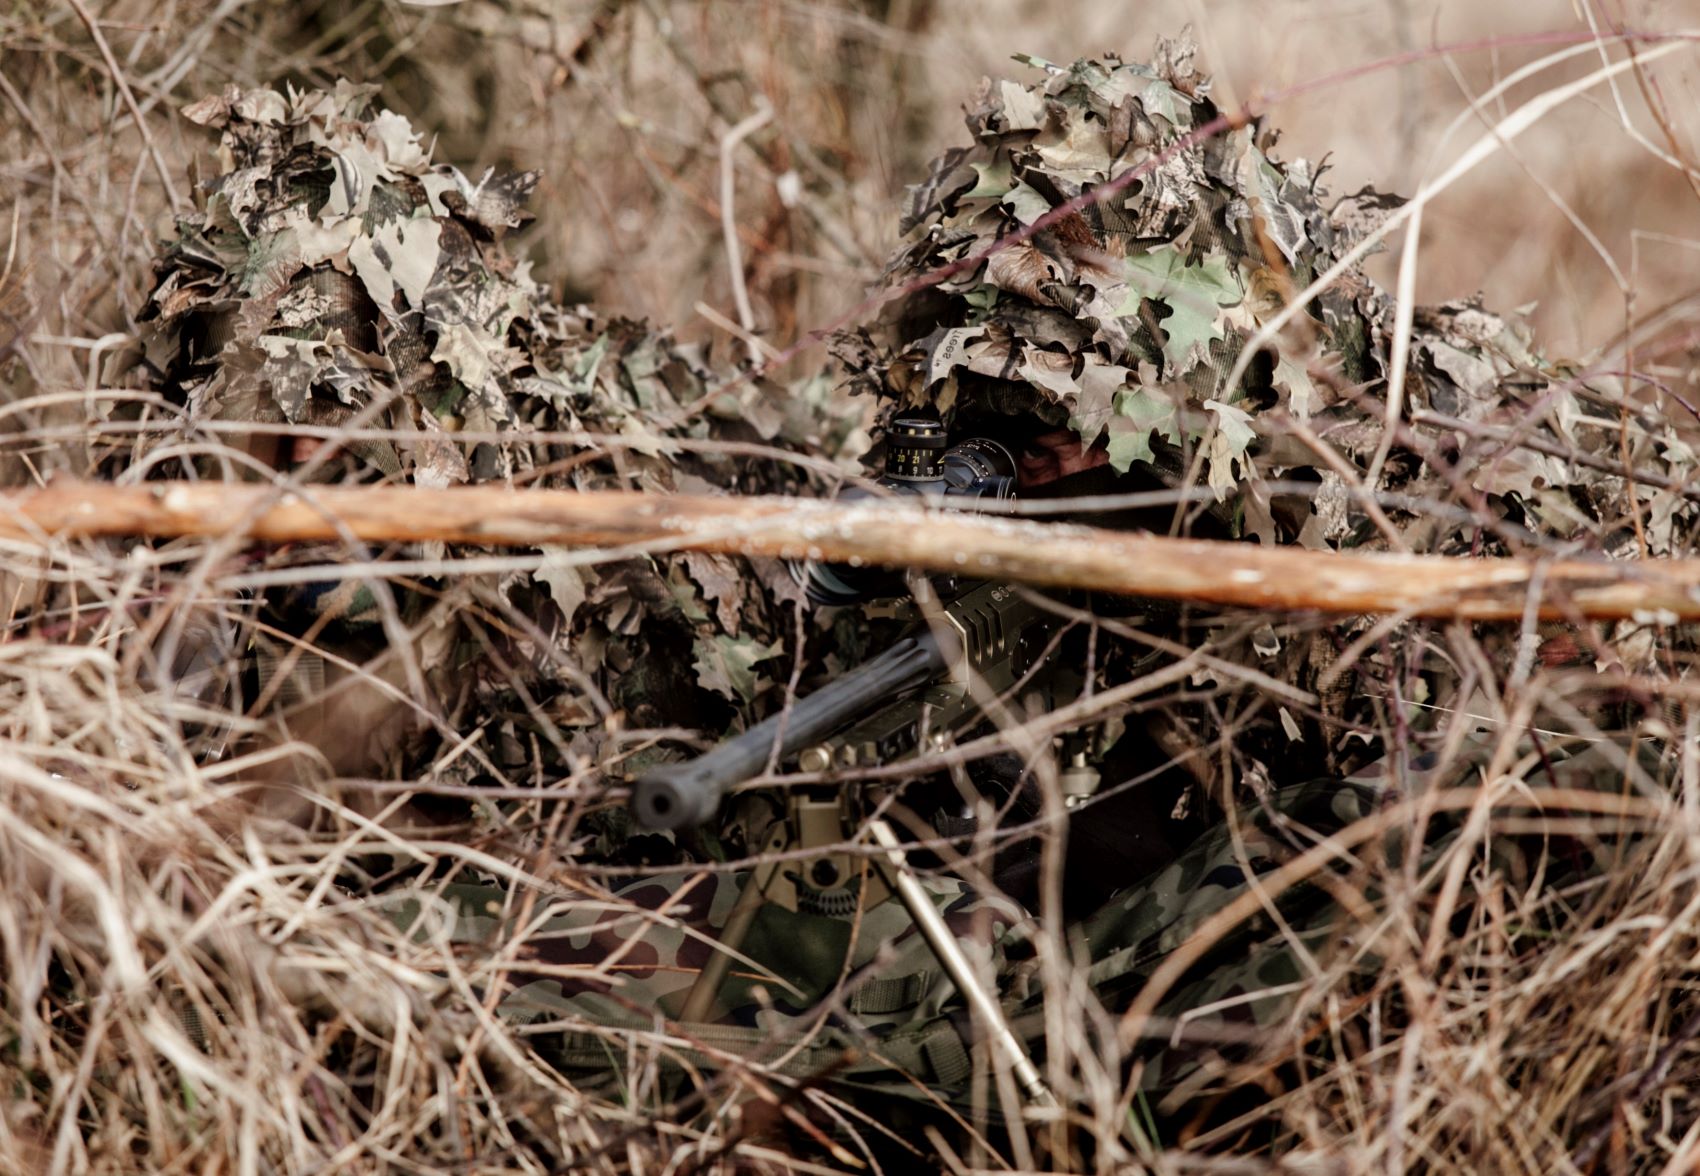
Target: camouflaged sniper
column 335, row 269
column 1124, row 322
column 336, row 272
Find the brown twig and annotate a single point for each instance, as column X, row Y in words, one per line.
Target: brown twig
column 1553, row 449
column 880, row 532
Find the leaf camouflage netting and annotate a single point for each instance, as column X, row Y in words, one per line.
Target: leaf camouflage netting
column 339, row 279
column 316, row 856
column 1127, row 319
column 1129, row 322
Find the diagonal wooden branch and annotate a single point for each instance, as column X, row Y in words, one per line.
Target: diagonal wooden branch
column 890, row 532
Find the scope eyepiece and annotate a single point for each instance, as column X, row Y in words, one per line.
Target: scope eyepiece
column 978, row 468
column 919, row 462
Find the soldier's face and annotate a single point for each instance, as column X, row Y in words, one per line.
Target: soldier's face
column 1054, row 455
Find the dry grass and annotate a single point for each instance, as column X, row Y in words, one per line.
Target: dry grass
column 192, row 983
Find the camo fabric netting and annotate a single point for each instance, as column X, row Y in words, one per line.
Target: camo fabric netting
column 337, row 278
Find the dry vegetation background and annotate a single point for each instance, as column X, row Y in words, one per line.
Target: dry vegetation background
column 623, row 104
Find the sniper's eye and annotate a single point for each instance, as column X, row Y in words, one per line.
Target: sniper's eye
column 1049, row 444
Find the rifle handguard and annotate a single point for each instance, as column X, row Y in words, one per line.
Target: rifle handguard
column 680, row 796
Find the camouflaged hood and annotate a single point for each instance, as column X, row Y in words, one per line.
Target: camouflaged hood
column 335, row 265
column 1125, row 316
column 1124, row 321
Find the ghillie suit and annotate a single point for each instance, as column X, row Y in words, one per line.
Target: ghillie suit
column 1124, row 321
column 337, row 281
column 1128, row 323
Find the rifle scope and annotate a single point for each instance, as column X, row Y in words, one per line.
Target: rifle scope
column 918, row 462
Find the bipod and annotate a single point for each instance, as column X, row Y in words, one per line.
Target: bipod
column 817, row 821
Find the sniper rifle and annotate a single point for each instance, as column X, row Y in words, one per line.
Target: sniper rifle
column 973, row 651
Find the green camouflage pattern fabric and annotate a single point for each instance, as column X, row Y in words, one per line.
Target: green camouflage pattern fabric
column 628, row 964
column 1254, row 978
column 860, row 1000
column 1251, row 975
column 885, row 1000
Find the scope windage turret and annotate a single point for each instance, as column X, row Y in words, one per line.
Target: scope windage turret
column 918, row 462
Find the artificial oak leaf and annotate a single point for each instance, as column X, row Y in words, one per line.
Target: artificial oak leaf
column 726, row 664
column 561, row 574
column 1292, row 378
column 291, row 367
column 947, row 350
column 1075, row 152
column 398, row 255
column 1234, row 432
column 994, row 179
column 1023, row 109
column 1095, row 404
column 1139, row 412
column 1128, row 443
column 1026, row 203
column 1051, row 370
column 685, row 594
column 1192, row 293
column 474, row 356
column 721, row 582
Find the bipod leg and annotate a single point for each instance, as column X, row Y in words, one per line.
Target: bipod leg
column 956, row 965
column 699, row 1002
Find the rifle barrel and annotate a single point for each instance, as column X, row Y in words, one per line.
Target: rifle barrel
column 679, row 796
